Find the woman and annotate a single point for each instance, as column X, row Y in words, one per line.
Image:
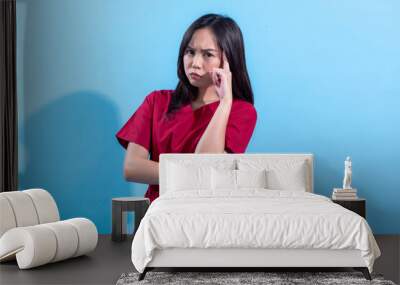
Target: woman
column 210, row 111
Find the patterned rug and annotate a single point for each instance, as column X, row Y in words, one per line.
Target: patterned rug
column 242, row 278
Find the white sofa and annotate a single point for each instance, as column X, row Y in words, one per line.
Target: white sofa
column 31, row 231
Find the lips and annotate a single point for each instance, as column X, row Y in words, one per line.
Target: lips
column 195, row 75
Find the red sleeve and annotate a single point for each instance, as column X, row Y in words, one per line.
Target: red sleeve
column 138, row 128
column 241, row 124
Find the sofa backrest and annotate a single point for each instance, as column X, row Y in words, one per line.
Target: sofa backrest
column 26, row 208
column 282, row 163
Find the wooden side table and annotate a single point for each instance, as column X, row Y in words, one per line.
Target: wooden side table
column 356, row 205
column 122, row 205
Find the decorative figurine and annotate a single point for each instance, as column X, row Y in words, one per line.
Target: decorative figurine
column 347, row 173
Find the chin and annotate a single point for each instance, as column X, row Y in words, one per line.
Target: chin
column 195, row 84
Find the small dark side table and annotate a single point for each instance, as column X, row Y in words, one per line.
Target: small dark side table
column 356, row 205
column 120, row 207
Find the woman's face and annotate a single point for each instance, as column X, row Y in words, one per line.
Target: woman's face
column 200, row 57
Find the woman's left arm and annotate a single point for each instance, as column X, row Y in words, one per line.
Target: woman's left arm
column 213, row 138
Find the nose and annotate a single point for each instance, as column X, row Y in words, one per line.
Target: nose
column 197, row 61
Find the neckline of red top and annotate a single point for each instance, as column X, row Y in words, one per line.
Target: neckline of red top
column 189, row 106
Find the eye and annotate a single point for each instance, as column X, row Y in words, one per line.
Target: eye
column 209, row 54
column 189, row 51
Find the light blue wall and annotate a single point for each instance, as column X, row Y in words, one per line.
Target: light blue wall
column 326, row 78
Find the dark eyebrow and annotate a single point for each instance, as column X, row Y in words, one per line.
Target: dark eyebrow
column 207, row 49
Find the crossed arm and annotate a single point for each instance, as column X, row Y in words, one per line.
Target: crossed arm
column 138, row 168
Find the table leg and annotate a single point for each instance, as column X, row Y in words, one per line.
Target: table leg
column 118, row 222
column 140, row 211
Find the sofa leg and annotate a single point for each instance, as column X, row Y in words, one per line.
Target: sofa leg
column 143, row 274
column 364, row 271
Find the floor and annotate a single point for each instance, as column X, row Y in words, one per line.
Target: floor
column 111, row 259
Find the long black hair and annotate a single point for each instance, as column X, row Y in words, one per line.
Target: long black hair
column 230, row 40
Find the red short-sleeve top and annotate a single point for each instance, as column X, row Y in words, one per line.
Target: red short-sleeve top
column 151, row 128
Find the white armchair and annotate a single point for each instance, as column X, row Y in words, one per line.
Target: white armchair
column 31, row 230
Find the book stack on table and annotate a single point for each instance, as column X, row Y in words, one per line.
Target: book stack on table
column 344, row 194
